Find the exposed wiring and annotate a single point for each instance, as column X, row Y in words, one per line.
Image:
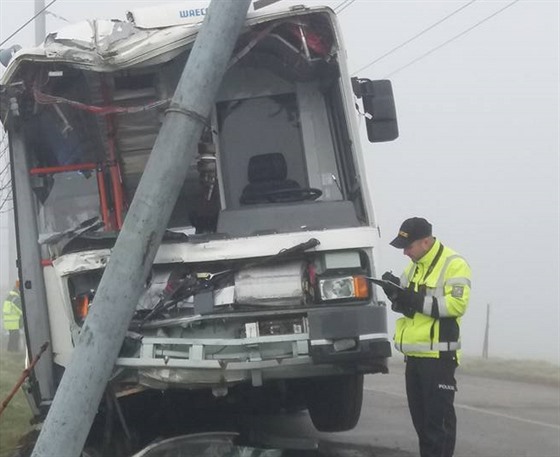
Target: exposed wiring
column 46, row 99
column 419, row 34
column 452, row 39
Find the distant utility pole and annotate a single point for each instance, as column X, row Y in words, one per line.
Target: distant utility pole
column 40, row 33
column 76, row 402
column 40, row 22
column 486, row 331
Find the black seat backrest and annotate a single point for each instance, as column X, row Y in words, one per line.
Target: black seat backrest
column 266, row 173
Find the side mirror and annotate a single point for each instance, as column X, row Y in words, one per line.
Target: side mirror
column 379, row 108
column 7, row 54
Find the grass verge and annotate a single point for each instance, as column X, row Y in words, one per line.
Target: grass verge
column 14, row 422
column 534, row 371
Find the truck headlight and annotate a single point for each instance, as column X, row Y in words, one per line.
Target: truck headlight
column 82, row 287
column 343, row 288
column 81, row 304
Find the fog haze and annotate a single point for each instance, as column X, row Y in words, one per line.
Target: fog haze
column 478, row 153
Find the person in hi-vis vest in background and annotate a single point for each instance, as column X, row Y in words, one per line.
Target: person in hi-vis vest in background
column 12, row 318
column 433, row 295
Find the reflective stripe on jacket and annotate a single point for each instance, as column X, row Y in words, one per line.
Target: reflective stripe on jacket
column 11, row 311
column 445, row 279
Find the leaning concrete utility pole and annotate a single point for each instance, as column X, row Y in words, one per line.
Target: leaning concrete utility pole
column 75, row 404
column 40, row 22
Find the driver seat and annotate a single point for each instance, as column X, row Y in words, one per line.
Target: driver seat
column 267, row 173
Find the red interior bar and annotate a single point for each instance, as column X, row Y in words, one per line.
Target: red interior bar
column 117, row 192
column 62, row 168
column 114, row 168
column 103, row 199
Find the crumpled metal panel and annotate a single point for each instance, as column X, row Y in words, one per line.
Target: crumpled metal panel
column 162, row 378
column 105, row 46
column 108, row 45
column 84, row 261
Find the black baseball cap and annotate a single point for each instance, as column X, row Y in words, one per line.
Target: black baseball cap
column 411, row 230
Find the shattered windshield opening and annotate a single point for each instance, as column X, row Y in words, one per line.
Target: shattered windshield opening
column 261, row 148
column 66, row 200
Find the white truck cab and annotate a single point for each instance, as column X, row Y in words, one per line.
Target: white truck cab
column 259, row 291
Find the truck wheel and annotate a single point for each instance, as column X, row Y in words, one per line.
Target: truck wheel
column 335, row 402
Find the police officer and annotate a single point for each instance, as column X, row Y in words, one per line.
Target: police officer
column 12, row 317
column 433, row 295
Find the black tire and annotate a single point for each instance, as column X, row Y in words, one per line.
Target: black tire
column 335, row 402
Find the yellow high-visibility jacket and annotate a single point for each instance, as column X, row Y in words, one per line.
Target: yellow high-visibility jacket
column 11, row 311
column 444, row 277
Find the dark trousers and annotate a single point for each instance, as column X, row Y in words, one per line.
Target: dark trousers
column 430, row 388
column 13, row 340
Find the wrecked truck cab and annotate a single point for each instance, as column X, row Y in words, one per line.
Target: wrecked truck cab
column 260, row 281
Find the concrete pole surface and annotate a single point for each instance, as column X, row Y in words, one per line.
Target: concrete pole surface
column 71, row 415
column 40, row 22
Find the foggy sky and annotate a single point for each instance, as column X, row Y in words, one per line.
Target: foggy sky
column 478, row 153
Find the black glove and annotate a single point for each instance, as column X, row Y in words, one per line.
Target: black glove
column 391, row 292
column 408, row 299
column 398, row 308
column 388, row 276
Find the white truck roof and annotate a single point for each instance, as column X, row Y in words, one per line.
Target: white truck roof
column 149, row 36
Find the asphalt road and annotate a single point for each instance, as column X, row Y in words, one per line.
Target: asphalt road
column 495, row 419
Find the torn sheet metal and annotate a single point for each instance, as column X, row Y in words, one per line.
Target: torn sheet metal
column 109, row 45
column 83, row 261
column 227, row 249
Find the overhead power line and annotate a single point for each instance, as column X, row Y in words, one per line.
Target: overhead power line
column 57, row 16
column 431, row 51
column 7, row 210
column 7, row 199
column 5, row 168
column 29, row 21
column 342, row 6
column 6, row 186
column 419, row 34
